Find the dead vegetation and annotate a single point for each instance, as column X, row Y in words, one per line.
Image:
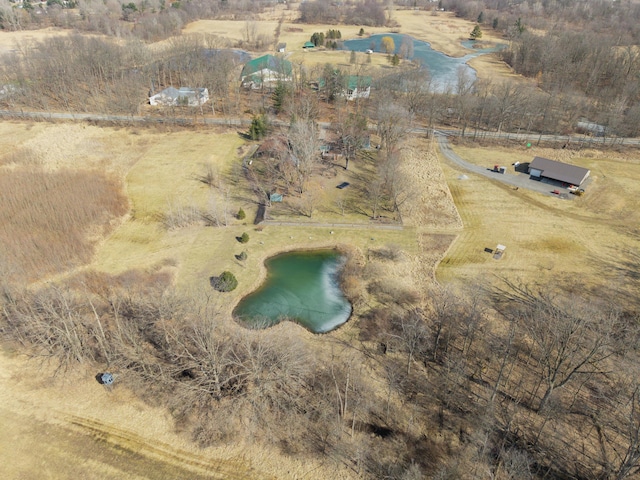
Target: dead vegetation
column 50, row 221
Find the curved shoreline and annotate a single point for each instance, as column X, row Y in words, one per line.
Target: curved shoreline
column 340, row 250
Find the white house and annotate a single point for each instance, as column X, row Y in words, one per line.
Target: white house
column 183, row 96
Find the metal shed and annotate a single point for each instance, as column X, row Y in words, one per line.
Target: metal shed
column 561, row 172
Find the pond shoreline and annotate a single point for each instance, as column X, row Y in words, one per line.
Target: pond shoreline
column 334, row 294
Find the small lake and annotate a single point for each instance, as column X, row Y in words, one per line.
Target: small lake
column 302, row 287
column 442, row 68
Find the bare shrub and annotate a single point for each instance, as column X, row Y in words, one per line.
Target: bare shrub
column 389, row 292
column 391, row 252
column 54, row 324
column 181, row 216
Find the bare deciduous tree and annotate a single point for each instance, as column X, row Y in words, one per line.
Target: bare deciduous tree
column 571, row 336
column 393, row 124
column 305, row 148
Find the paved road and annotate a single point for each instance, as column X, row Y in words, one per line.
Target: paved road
column 564, row 139
column 513, row 178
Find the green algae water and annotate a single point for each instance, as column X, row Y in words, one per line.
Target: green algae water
column 301, row 287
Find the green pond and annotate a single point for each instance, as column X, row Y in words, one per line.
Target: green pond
column 302, row 287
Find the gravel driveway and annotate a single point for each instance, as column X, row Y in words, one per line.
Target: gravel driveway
column 513, row 178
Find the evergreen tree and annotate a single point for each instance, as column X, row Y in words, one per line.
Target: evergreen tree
column 280, row 94
column 476, row 33
column 317, row 39
column 258, row 127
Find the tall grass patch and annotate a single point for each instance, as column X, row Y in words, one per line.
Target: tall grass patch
column 50, row 221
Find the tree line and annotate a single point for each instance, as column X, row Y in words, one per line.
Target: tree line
column 90, row 74
column 149, row 20
column 583, row 51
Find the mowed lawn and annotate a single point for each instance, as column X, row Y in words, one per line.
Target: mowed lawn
column 578, row 241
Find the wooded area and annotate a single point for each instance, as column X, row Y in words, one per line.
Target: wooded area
column 514, row 382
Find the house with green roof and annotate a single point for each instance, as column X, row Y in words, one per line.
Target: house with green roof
column 353, row 86
column 357, row 86
column 266, row 71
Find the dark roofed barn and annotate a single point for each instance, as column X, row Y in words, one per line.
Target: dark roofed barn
column 561, row 172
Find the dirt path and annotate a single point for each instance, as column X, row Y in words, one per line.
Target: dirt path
column 77, row 426
column 367, row 226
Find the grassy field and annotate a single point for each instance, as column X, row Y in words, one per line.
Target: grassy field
column 579, row 241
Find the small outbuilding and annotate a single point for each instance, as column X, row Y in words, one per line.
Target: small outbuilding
column 561, row 172
column 281, row 48
column 308, row 45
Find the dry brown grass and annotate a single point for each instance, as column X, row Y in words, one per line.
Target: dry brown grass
column 10, row 41
column 49, row 221
column 583, row 240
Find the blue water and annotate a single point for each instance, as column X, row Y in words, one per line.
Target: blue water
column 443, row 70
column 301, row 287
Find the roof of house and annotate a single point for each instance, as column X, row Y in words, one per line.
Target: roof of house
column 562, row 172
column 180, row 96
column 274, row 145
column 269, row 62
column 358, row 81
column 281, row 46
column 350, row 82
column 591, row 127
column 308, row 45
